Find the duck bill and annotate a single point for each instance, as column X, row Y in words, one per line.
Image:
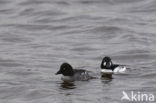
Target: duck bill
column 59, row 72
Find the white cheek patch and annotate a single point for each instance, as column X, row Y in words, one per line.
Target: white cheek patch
column 104, row 63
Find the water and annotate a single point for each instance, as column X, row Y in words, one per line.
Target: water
column 37, row 36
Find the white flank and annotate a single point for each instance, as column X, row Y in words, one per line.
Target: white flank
column 106, row 71
column 120, row 69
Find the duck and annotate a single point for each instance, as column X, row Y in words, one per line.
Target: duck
column 107, row 67
column 70, row 75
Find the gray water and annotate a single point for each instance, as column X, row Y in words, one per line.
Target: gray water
column 37, row 36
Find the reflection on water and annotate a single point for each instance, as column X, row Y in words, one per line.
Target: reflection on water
column 106, row 79
column 106, row 76
column 68, row 85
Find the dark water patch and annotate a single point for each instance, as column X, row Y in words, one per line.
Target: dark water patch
column 82, row 49
column 123, row 1
column 37, row 27
column 78, row 18
column 6, row 60
column 44, row 20
column 62, row 3
column 9, row 83
column 12, row 92
column 136, row 51
column 36, row 13
column 3, row 2
column 24, row 73
column 35, row 46
column 6, row 11
column 43, row 66
column 149, row 75
column 136, row 57
column 106, row 29
column 137, row 39
column 146, row 7
column 105, row 33
column 9, row 63
column 14, row 38
column 91, row 2
column 150, row 35
column 112, row 2
column 129, row 37
column 152, row 84
column 37, row 94
column 33, row 2
column 27, row 12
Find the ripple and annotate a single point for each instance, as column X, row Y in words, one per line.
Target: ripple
column 2, row 2
column 32, row 2
column 106, row 32
column 147, row 6
column 14, row 38
column 106, row 29
column 37, row 35
column 149, row 75
column 36, row 27
column 64, row 3
column 89, row 2
column 135, row 55
column 34, row 12
column 6, row 11
column 9, row 63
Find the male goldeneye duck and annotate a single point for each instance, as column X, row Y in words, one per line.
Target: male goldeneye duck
column 107, row 67
column 70, row 74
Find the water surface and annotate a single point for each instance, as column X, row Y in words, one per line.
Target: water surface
column 36, row 36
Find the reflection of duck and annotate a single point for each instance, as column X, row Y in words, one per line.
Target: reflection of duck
column 70, row 74
column 68, row 85
column 107, row 67
column 106, row 79
column 125, row 96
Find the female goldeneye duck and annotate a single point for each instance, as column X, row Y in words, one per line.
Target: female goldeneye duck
column 70, row 74
column 107, row 67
